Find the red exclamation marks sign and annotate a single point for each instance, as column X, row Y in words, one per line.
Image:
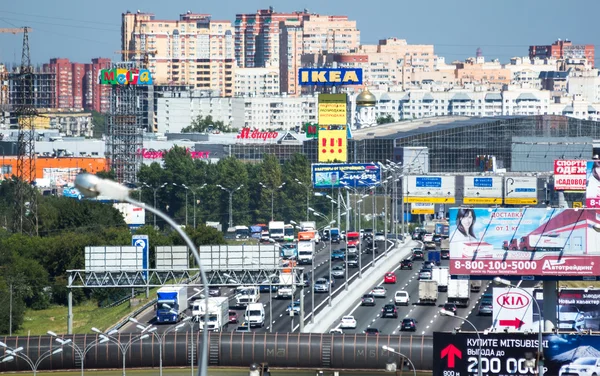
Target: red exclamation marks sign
column 332, row 144
column 340, row 146
column 324, row 142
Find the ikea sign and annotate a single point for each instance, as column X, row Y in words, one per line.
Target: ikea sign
column 330, row 76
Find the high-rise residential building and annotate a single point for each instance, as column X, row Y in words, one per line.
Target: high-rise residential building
column 194, row 50
column 63, row 88
column 257, row 82
column 564, row 50
column 97, row 97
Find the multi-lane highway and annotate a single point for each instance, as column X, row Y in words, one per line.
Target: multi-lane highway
column 280, row 320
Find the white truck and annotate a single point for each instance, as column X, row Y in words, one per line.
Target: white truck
column 288, row 287
column 218, row 312
column 458, row 292
column 306, row 247
column 311, row 226
column 171, row 303
column 441, row 275
column 276, row 230
column 428, row 292
column 247, row 295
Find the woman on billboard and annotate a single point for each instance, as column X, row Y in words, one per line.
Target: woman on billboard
column 465, row 221
column 593, row 181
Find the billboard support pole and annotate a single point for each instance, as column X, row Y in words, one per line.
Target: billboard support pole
column 402, row 207
column 301, row 327
column 549, row 305
column 70, row 304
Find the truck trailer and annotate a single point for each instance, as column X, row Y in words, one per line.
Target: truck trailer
column 458, row 292
column 218, row 313
column 171, row 304
column 441, row 276
column 428, row 292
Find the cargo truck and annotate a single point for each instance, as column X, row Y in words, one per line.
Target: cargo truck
column 276, row 230
column 458, row 292
column 247, row 295
column 171, row 304
column 218, row 313
column 445, row 249
column 288, row 286
column 441, row 276
column 434, row 256
column 306, row 247
column 288, row 233
column 352, row 239
column 311, row 226
column 428, row 292
column 442, row 229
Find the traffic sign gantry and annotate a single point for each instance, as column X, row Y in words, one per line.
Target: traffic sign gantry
column 450, row 352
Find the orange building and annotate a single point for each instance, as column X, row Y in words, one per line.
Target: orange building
column 63, row 169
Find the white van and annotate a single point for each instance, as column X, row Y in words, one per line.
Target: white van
column 255, row 315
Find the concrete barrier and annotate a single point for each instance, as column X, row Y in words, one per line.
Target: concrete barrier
column 345, row 300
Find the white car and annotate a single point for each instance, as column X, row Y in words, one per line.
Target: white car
column 379, row 292
column 401, row 298
column 581, row 367
column 570, row 317
column 336, row 331
column 379, row 237
column 348, row 322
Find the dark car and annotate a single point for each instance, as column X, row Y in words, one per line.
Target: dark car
column 306, row 279
column 214, row 291
column 437, row 239
column 418, row 255
column 406, row 264
column 428, row 265
column 233, row 317
column 409, row 325
column 389, row 310
column 372, row 331
column 445, row 254
column 368, row 299
column 352, row 261
column 450, row 307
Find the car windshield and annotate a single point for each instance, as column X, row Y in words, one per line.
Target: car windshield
column 401, row 293
column 243, row 329
column 585, row 361
column 568, row 308
column 407, row 321
column 321, row 281
column 254, row 313
column 367, row 296
column 347, row 318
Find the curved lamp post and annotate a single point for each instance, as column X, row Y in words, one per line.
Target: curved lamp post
column 444, row 312
column 16, row 353
column 78, row 350
column 390, row 349
column 122, row 346
column 92, row 186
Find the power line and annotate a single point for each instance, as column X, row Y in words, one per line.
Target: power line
column 58, row 18
column 61, row 25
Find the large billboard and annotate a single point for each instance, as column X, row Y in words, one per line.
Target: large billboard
column 333, row 144
column 429, row 189
column 172, row 258
column 332, row 109
column 119, row 76
column 340, row 175
column 330, row 76
column 101, row 259
column 592, row 190
column 570, row 175
column 239, row 257
column 520, row 190
column 517, row 242
column 482, row 190
column 134, row 216
column 60, row 177
column 422, row 208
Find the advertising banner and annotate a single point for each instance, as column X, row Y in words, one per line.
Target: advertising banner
column 59, row 177
column 333, row 145
column 133, row 215
column 119, row 76
column 515, row 354
column 340, row 175
column 512, row 308
column 422, row 208
column 330, row 76
column 519, row 242
column 332, row 109
column 592, row 190
column 570, row 175
column 429, row 189
column 482, row 190
column 520, row 190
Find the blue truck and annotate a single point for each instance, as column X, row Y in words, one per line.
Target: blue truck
column 442, row 229
column 171, row 304
column 434, row 256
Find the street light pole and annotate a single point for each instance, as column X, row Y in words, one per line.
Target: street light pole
column 16, row 353
column 272, row 190
column 186, row 200
column 122, row 346
column 231, row 192
column 195, row 202
column 444, row 312
column 155, row 189
column 307, row 196
column 78, row 350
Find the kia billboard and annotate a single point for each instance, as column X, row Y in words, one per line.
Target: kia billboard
column 545, row 243
column 569, row 175
column 515, row 354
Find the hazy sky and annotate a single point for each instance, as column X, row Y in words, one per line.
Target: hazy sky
column 83, row 29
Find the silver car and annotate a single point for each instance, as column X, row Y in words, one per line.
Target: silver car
column 425, row 274
column 321, row 285
column 338, row 272
column 379, row 292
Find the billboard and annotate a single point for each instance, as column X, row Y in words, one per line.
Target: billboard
column 330, row 76
column 333, row 145
column 142, row 241
column 512, row 309
column 592, row 190
column 482, row 190
column 239, row 257
column 133, row 215
column 422, row 208
column 332, row 109
column 518, row 242
column 570, row 175
column 520, row 190
column 429, row 189
column 120, row 76
column 60, row 177
column 339, row 175
column 172, row 258
column 101, row 259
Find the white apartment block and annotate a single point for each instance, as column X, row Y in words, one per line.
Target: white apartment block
column 256, row 82
column 176, row 110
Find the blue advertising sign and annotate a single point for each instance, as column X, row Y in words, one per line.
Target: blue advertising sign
column 483, row 182
column 338, row 175
column 143, row 242
column 330, row 76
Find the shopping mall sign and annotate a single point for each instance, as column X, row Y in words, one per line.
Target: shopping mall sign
column 330, row 76
column 311, row 130
column 255, row 134
column 118, row 76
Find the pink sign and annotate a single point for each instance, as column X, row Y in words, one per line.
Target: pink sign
column 159, row 154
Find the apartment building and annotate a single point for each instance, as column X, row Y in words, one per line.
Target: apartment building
column 97, row 97
column 194, row 50
column 564, row 50
column 257, row 82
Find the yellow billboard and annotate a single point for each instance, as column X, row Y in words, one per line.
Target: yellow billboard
column 333, row 145
column 481, row 200
column 332, row 109
column 430, row 200
column 521, row 201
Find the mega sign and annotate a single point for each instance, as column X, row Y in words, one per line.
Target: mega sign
column 118, row 76
column 569, row 175
column 255, row 134
column 330, row 76
column 534, row 242
column 340, row 175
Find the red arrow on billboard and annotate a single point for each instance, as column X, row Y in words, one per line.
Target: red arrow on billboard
column 516, row 323
column 451, row 352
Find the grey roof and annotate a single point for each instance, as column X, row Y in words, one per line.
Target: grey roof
column 461, row 97
column 428, row 97
column 568, row 109
column 527, row 97
column 406, row 97
column 493, row 97
column 591, row 109
column 385, row 97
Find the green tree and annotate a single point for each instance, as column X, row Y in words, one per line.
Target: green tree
column 99, row 123
column 270, row 178
column 385, row 119
column 297, row 168
column 232, row 174
column 203, row 124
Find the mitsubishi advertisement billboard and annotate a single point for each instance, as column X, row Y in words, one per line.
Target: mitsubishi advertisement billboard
column 545, row 243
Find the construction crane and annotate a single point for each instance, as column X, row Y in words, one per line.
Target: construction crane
column 15, row 30
column 126, row 55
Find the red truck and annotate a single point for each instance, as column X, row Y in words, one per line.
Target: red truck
column 352, row 239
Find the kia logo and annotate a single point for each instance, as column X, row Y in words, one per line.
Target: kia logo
column 513, row 300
